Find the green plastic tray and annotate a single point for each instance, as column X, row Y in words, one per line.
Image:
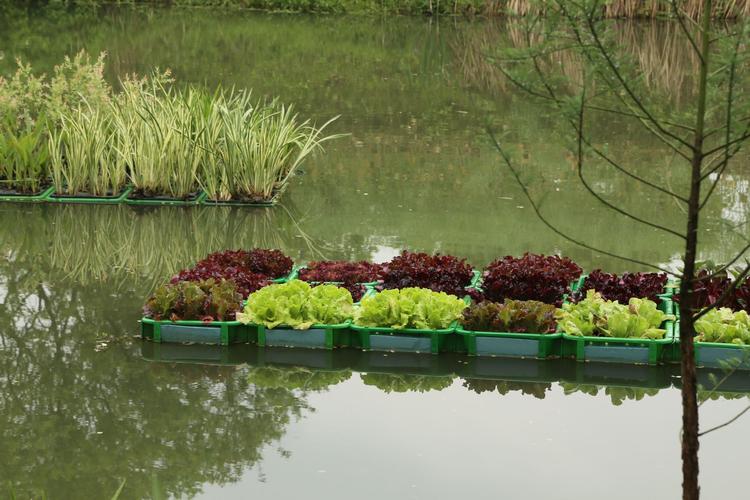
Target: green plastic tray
column 21, row 198
column 622, row 350
column 316, row 337
column 199, row 332
column 156, row 201
column 404, row 340
column 513, row 345
column 722, row 355
column 113, row 200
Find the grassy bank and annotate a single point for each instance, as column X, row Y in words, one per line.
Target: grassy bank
column 725, row 9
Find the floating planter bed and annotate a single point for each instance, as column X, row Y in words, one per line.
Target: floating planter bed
column 240, row 203
column 53, row 197
column 193, row 199
column 721, row 355
column 294, row 314
column 515, row 328
column 407, row 320
column 199, row 332
column 649, row 346
column 9, row 195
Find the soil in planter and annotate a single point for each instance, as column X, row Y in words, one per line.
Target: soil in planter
column 246, row 200
column 109, row 195
column 145, row 194
column 21, row 193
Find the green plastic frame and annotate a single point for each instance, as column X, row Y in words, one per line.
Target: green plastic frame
column 114, row 200
column 334, row 335
column 440, row 340
column 548, row 345
column 157, row 202
column 26, row 198
column 229, row 332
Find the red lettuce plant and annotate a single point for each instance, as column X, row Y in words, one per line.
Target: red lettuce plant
column 622, row 288
column 531, row 277
column 247, row 282
column 271, row 263
column 518, row 316
column 206, row 300
column 341, row 271
column 708, row 290
column 440, row 273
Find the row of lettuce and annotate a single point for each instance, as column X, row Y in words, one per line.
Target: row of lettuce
column 534, row 294
column 72, row 136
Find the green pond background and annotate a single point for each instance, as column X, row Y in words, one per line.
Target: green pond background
column 85, row 405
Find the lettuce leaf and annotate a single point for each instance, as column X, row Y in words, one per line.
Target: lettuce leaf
column 410, row 308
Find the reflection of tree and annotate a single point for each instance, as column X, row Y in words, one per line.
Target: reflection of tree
column 503, row 387
column 617, row 394
column 77, row 422
column 388, row 383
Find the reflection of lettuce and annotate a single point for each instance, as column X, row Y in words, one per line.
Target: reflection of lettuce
column 406, row 383
column 723, row 325
column 410, row 308
column 298, row 305
column 536, row 389
column 595, row 316
column 271, row 377
column 616, row 394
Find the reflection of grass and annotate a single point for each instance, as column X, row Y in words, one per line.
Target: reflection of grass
column 117, row 243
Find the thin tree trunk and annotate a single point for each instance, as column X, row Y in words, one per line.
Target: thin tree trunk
column 690, row 444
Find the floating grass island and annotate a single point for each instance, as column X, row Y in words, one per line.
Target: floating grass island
column 73, row 139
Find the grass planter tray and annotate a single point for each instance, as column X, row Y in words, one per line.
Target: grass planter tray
column 35, row 197
column 405, row 340
column 103, row 200
column 199, row 332
column 195, row 200
column 513, row 345
column 316, row 337
column 239, row 203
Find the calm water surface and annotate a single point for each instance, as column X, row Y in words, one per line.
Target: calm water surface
column 84, row 405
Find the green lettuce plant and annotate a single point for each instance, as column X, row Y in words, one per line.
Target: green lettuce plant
column 410, row 308
column 724, row 326
column 298, row 305
column 595, row 316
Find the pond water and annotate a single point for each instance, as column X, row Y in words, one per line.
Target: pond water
column 85, row 405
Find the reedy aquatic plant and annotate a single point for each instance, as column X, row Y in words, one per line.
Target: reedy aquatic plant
column 82, row 156
column 23, row 157
column 260, row 149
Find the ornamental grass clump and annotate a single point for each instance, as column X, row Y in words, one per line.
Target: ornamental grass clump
column 298, row 305
column 409, row 308
column 594, row 316
column 723, row 326
column 206, row 300
column 531, row 277
column 514, row 316
column 23, row 158
column 256, row 149
column 83, row 157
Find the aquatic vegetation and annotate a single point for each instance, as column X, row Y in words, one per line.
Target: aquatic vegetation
column 594, row 316
column 207, row 300
column 410, row 308
column 81, row 153
column 23, row 157
column 623, row 287
column 440, row 273
column 531, row 277
column 298, row 305
column 517, row 316
column 724, row 326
